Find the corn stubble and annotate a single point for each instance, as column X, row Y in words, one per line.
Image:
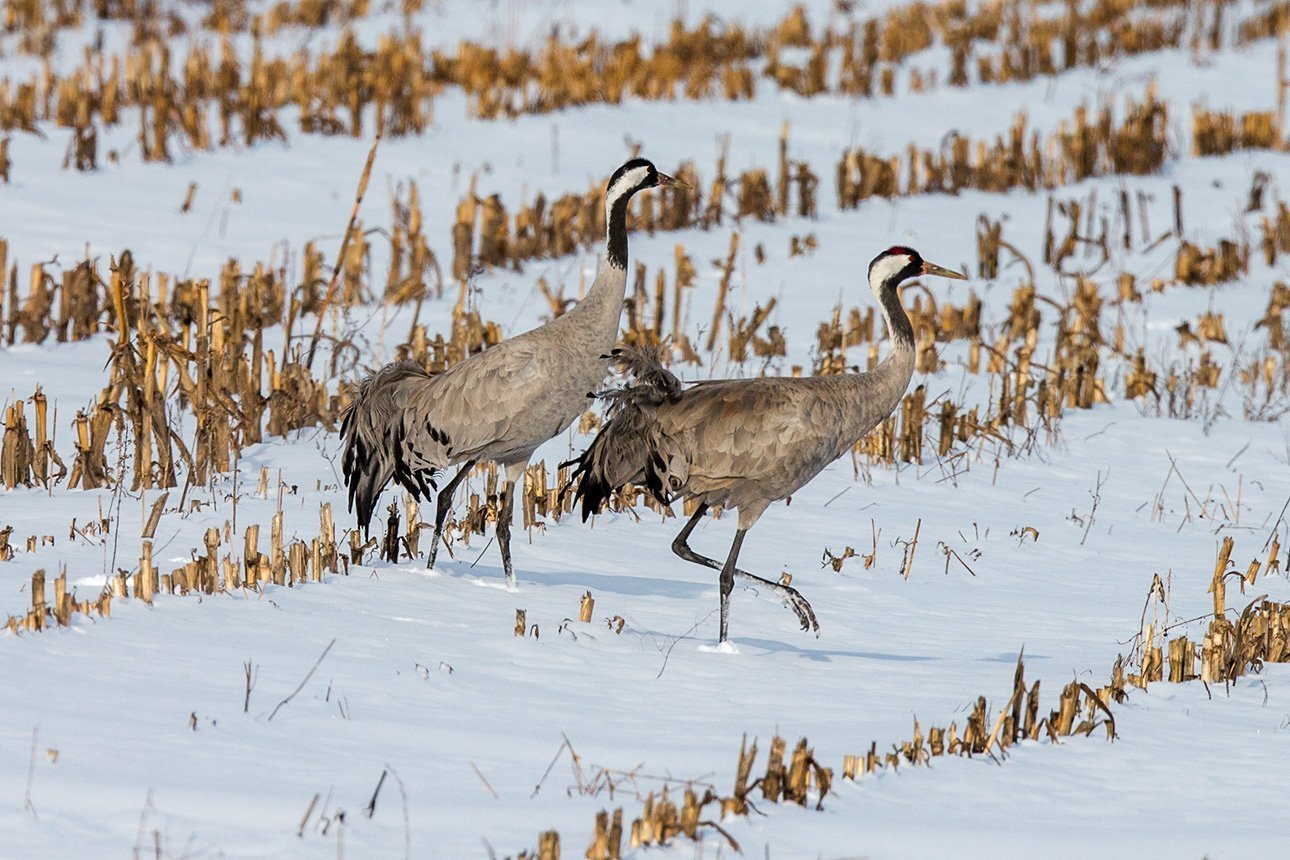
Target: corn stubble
column 190, row 382
column 216, row 568
column 210, row 93
column 1260, row 634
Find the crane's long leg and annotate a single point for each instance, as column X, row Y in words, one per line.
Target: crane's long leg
column 728, row 582
column 789, row 595
column 681, row 543
column 514, row 471
column 443, row 503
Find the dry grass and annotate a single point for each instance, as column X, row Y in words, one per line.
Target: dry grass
column 190, row 382
column 1259, row 634
column 215, row 96
column 226, row 562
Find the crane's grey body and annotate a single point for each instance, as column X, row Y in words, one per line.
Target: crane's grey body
column 744, row 443
column 749, row 442
column 499, row 405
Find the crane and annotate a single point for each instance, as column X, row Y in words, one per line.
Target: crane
column 744, row 443
column 499, row 405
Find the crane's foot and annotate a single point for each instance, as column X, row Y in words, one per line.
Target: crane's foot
column 799, row 604
column 789, row 596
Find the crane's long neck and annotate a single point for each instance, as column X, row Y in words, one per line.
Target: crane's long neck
column 616, row 230
column 899, row 329
column 878, row 393
column 603, row 304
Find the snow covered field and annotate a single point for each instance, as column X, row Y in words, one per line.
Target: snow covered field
column 136, row 734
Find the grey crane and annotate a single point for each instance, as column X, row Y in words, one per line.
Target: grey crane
column 498, row 405
column 744, row 443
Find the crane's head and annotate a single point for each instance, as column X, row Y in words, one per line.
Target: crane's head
column 635, row 175
column 898, row 264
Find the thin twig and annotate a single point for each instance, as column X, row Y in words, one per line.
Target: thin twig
column 143, row 821
column 1097, row 497
column 1186, row 486
column 305, row 681
column 31, row 775
column 945, row 549
column 481, row 552
column 836, row 497
column 482, row 779
column 1276, row 525
column 734, row 846
column 577, row 763
column 685, row 635
column 370, row 809
column 251, row 674
column 913, row 548
column 309, row 810
column 547, row 772
column 344, row 246
column 407, row 822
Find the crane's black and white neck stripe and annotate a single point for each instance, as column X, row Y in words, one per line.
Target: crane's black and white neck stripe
column 888, row 271
column 635, row 175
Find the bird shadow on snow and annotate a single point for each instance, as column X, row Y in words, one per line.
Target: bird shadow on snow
column 624, row 584
column 616, row 583
column 827, row 654
column 1011, row 657
column 487, row 577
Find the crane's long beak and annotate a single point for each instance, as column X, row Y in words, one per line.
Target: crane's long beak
column 933, row 269
column 664, row 179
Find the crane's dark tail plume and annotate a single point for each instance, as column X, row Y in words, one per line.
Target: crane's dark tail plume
column 629, row 447
column 373, row 432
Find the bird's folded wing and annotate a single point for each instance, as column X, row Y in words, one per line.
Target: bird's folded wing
column 754, row 428
column 498, row 398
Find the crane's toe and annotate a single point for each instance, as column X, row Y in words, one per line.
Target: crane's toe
column 800, row 605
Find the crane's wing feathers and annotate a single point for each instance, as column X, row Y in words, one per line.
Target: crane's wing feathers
column 629, row 446
column 772, row 434
column 481, row 401
column 375, row 436
column 767, row 436
column 406, row 425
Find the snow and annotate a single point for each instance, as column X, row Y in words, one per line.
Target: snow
column 129, row 734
